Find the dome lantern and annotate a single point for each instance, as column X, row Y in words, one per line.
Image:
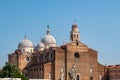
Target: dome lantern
column 48, row 30
column 48, row 40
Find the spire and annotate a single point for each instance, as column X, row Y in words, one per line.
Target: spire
column 74, row 21
column 48, row 30
column 25, row 37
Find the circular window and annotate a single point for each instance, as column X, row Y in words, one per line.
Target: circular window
column 27, row 59
column 77, row 43
column 76, row 55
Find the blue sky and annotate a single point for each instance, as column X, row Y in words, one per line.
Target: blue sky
column 98, row 21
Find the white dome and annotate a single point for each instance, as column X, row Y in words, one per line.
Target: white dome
column 49, row 40
column 25, row 43
column 40, row 46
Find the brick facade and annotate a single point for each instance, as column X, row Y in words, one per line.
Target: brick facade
column 113, row 72
column 59, row 63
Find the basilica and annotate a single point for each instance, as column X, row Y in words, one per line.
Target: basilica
column 73, row 60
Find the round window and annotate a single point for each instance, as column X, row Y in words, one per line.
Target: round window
column 76, row 55
column 27, row 59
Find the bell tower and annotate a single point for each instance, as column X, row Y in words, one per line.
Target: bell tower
column 74, row 34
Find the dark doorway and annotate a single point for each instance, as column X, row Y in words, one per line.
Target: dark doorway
column 91, row 78
column 77, row 77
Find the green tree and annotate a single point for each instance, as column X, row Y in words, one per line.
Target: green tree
column 11, row 71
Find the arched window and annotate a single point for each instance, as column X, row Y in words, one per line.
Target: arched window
column 40, row 69
column 91, row 77
column 77, row 35
column 31, row 50
column 74, row 35
column 23, row 50
column 78, row 77
column 51, row 56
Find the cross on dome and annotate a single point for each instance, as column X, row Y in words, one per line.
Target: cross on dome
column 25, row 37
column 48, row 30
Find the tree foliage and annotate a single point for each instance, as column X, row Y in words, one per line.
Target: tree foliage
column 11, row 71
